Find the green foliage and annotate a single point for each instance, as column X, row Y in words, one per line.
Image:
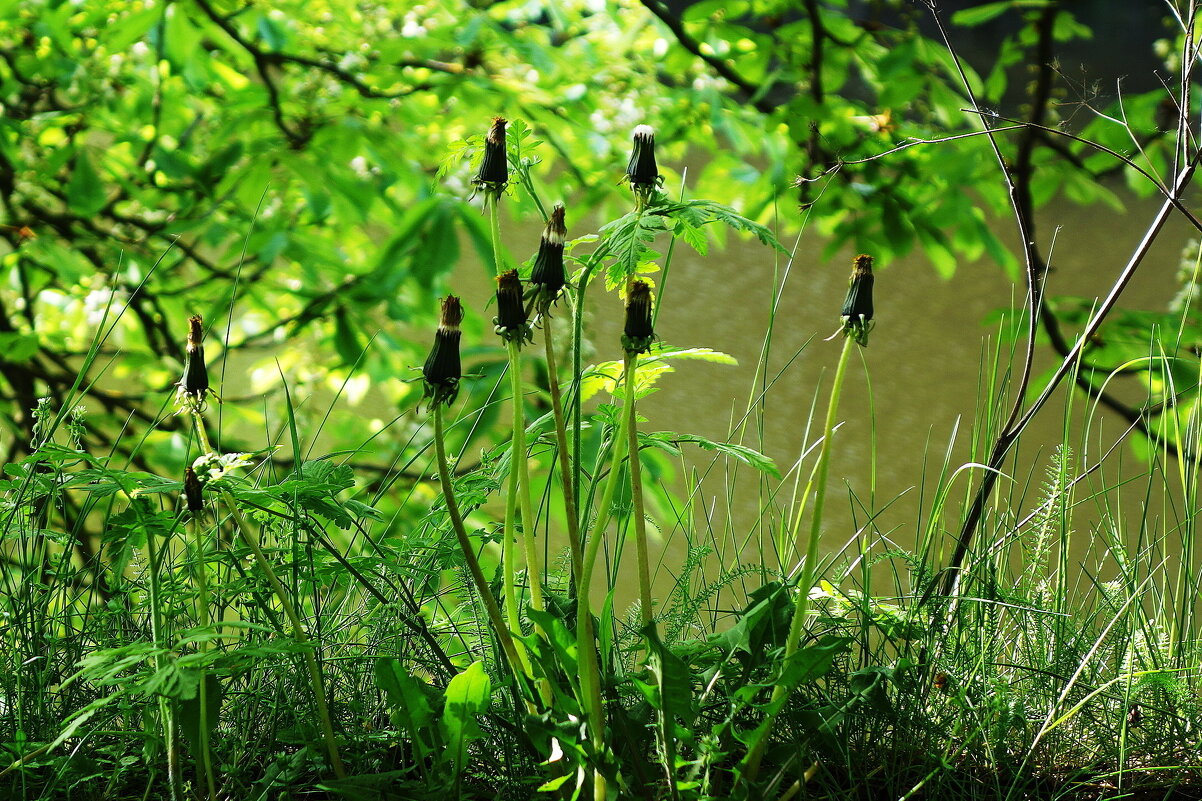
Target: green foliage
column 298, row 173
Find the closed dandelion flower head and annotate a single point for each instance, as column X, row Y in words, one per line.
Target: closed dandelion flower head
column 511, row 320
column 548, row 277
column 642, row 172
column 493, row 174
column 639, row 332
column 857, row 306
column 194, row 386
column 193, row 491
column 441, row 372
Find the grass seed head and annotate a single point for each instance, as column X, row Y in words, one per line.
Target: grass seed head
column 639, row 332
column 441, row 371
column 857, row 306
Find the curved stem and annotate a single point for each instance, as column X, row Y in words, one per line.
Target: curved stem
column 751, row 762
column 646, row 617
column 520, row 469
column 564, row 458
column 590, row 680
column 298, row 631
column 469, row 555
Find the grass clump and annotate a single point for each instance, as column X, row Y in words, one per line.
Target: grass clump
column 261, row 629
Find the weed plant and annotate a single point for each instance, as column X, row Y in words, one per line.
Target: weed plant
column 245, row 630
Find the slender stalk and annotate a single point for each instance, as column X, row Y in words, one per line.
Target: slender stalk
column 751, row 762
column 157, row 635
column 206, row 619
column 492, row 200
column 590, row 680
column 298, row 631
column 469, row 555
column 521, row 468
column 646, row 617
column 564, row 457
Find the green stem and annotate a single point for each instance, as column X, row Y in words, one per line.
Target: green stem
column 577, row 363
column 636, row 494
column 206, row 619
column 494, row 220
column 166, row 712
column 469, row 555
column 298, row 631
column 565, row 461
column 590, row 680
column 809, row 567
column 520, row 465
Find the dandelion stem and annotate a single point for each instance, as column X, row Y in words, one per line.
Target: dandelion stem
column 636, row 493
column 520, row 469
column 565, row 461
column 751, row 761
column 206, row 619
column 492, row 199
column 469, row 555
column 298, row 631
column 590, row 680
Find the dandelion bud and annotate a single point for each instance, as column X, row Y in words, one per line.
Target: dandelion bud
column 641, row 171
column 639, row 332
column 441, row 371
column 194, row 386
column 857, row 307
column 494, row 167
column 548, row 277
column 192, row 491
column 511, row 321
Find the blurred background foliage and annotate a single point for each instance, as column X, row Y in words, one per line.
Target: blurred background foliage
column 274, row 167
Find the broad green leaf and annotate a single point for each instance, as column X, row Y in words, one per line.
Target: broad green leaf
column 409, row 702
column 85, row 190
column 467, row 695
column 189, row 713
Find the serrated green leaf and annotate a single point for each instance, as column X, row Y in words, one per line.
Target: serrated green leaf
column 742, row 453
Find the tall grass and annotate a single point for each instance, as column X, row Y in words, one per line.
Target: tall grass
column 273, row 633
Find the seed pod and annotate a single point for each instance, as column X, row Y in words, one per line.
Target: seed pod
column 642, row 171
column 192, row 491
column 639, row 332
column 442, row 370
column 493, row 174
column 194, row 386
column 511, row 320
column 857, row 306
column 548, row 277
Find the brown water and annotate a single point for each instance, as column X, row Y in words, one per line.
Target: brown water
column 924, row 363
